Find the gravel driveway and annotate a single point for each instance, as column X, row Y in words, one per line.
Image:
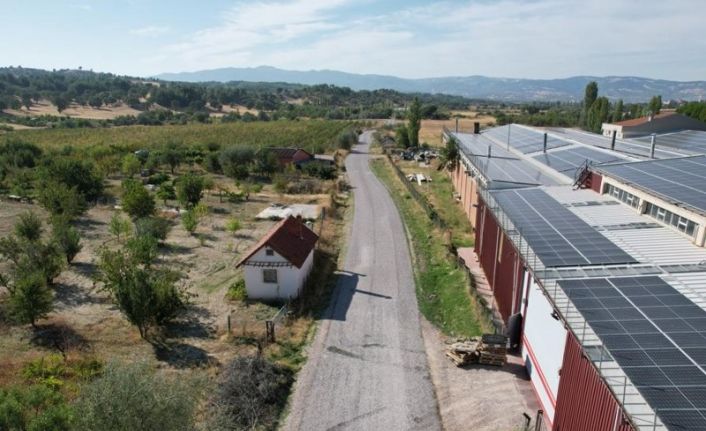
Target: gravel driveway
column 367, row 367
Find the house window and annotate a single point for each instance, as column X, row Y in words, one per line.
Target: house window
column 622, row 195
column 269, row 252
column 269, row 275
column 678, row 222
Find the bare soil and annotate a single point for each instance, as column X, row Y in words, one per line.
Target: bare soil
column 85, row 313
column 45, row 107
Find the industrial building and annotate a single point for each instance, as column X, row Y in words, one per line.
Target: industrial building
column 594, row 249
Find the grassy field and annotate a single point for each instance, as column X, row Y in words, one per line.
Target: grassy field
column 442, row 288
column 315, row 135
column 431, row 129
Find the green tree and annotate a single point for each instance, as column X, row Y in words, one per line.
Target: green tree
column 146, row 296
column 166, row 192
column 190, row 221
column 137, row 201
column 66, row 237
column 119, row 226
column 589, row 98
column 189, row 189
column 449, row 155
column 233, row 225
column 414, row 122
column 30, row 299
column 266, row 163
column 134, row 397
column 142, row 249
column 155, row 227
column 29, row 227
column 61, row 200
column 74, row 173
column 618, row 112
column 131, row 165
column 61, row 103
column 402, row 137
column 655, row 105
column 172, row 156
column 236, row 161
column 33, row 408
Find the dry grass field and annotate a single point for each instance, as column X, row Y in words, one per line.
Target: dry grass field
column 44, row 107
column 432, row 129
column 86, row 319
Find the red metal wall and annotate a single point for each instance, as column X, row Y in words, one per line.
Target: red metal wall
column 502, row 268
column 584, row 402
column 595, row 181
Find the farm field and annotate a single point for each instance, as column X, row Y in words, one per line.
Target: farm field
column 311, row 134
column 431, row 130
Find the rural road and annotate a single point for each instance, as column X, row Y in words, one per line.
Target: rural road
column 367, row 367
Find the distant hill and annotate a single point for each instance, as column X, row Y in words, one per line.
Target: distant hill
column 628, row 88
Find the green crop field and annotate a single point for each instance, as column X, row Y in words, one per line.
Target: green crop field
column 313, row 135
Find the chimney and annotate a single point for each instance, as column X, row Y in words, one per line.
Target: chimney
column 456, row 124
column 301, row 226
column 509, row 127
column 489, row 155
column 612, row 142
column 476, row 127
column 545, row 142
column 653, row 144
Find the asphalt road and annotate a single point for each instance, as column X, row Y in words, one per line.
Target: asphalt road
column 367, row 367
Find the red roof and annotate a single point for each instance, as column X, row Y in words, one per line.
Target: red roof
column 643, row 120
column 287, row 153
column 290, row 238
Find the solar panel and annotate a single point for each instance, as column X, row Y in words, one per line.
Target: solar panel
column 681, row 180
column 627, row 146
column 690, row 140
column 570, row 159
column 660, row 349
column 556, row 235
column 523, row 139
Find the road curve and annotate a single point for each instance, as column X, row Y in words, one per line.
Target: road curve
column 367, row 367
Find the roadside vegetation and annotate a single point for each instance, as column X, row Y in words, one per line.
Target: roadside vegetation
column 442, row 287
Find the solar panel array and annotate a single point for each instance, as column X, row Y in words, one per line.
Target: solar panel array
column 656, row 335
column 691, row 140
column 556, row 235
column 523, row 139
column 570, row 159
column 627, row 146
column 681, row 180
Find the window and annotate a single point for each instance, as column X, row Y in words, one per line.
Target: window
column 682, row 224
column 622, row 195
column 269, row 275
column 269, row 252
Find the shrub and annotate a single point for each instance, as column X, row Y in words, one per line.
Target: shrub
column 119, row 226
column 280, row 183
column 237, row 291
column 33, row 408
column 29, row 227
column 155, row 227
column 30, row 298
column 66, row 238
column 166, row 192
column 133, row 397
column 59, row 199
column 158, row 179
column 235, row 161
column 251, row 393
column 74, row 174
column 190, row 221
column 189, row 189
column 142, row 248
column 131, row 165
column 233, row 225
column 137, row 201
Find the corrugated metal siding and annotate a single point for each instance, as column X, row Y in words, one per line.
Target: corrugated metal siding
column 508, row 273
column 584, row 402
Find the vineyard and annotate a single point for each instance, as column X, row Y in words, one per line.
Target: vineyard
column 313, row 135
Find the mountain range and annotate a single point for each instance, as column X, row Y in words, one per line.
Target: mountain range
column 628, row 88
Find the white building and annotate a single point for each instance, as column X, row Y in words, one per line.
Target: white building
column 277, row 267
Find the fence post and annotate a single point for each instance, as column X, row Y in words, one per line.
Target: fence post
column 270, row 327
column 229, row 324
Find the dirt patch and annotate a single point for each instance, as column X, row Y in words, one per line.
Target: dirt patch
column 481, row 398
column 45, row 107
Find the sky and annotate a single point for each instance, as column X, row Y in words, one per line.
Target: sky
column 540, row 39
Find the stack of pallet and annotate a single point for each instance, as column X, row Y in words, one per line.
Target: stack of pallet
column 490, row 349
column 464, row 352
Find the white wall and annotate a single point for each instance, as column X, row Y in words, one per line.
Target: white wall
column 544, row 340
column 290, row 279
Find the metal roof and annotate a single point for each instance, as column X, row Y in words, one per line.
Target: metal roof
column 687, row 140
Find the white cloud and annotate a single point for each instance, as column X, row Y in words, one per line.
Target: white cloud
column 511, row 38
column 149, row 31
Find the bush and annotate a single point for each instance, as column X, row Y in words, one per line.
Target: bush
column 251, row 393
column 59, row 199
column 66, row 238
column 233, row 225
column 280, row 183
column 119, row 226
column 189, row 189
column 30, row 298
column 142, row 248
column 190, row 221
column 137, row 201
column 74, row 174
column 29, row 227
column 133, row 397
column 235, row 161
column 33, row 408
column 158, row 179
column 154, row 227
column 237, row 291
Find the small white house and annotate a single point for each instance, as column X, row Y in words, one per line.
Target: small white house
column 277, row 267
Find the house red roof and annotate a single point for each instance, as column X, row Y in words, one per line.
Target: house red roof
column 290, row 238
column 643, row 120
